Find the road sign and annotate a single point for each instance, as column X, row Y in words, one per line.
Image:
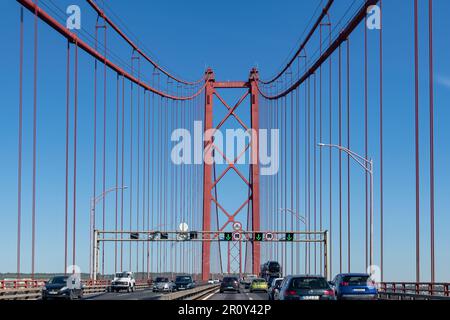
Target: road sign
column 134, row 236
column 258, row 236
column 289, row 237
column 228, row 236
column 183, row 227
column 269, row 236
column 237, row 236
column 237, row 226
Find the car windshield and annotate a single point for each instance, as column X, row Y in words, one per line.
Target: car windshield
column 58, row 280
column 183, row 279
column 122, row 275
column 356, row 280
column 162, row 280
column 309, row 283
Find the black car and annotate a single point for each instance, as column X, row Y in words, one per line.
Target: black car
column 62, row 287
column 306, row 288
column 184, row 282
column 230, row 284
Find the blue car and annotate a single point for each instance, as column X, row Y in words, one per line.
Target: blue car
column 356, row 286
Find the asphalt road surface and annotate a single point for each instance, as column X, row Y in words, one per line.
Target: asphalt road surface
column 145, row 294
column 244, row 295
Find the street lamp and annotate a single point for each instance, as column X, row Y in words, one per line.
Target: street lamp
column 367, row 165
column 94, row 201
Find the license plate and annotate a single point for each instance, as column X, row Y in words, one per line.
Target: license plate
column 311, row 298
column 359, row 290
column 53, row 292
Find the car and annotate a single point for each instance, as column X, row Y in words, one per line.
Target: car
column 356, row 286
column 163, row 284
column 184, row 282
column 247, row 280
column 213, row 281
column 123, row 281
column 274, row 288
column 258, row 284
column 230, row 284
column 306, row 287
column 62, row 287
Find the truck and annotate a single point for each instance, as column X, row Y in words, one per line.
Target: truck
column 270, row 270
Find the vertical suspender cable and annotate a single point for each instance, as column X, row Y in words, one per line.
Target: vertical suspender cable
column 381, row 149
column 348, row 163
column 366, row 134
column 122, row 171
column 431, row 73
column 340, row 159
column 75, row 128
column 417, row 147
column 104, row 153
column 330, row 133
column 117, row 174
column 19, row 164
column 315, row 170
column 320, row 152
column 131, row 167
column 33, row 203
column 94, row 182
column 66, row 204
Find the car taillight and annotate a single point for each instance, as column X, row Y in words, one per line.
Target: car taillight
column 344, row 284
column 291, row 292
column 329, row 293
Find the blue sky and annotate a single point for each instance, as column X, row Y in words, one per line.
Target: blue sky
column 185, row 37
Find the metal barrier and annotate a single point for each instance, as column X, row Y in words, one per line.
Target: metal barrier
column 414, row 291
column 192, row 294
column 32, row 289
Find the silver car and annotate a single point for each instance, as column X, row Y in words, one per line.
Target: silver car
column 162, row 284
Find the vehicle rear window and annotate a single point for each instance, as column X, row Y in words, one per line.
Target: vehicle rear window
column 183, row 279
column 229, row 279
column 356, row 280
column 58, row 280
column 162, row 280
column 259, row 281
column 309, row 283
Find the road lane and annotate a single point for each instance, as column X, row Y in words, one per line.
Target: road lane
column 146, row 294
column 244, row 295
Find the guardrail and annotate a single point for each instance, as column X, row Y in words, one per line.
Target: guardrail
column 414, row 291
column 192, row 294
column 32, row 289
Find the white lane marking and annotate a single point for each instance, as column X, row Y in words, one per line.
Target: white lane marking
column 210, row 295
column 250, row 298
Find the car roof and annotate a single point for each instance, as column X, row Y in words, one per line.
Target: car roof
column 354, row 275
column 306, row 276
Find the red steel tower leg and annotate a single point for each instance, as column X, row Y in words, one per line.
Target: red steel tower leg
column 207, row 175
column 256, row 252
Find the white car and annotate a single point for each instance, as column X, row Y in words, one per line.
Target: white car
column 123, row 281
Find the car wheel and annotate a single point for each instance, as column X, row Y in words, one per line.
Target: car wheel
column 221, row 291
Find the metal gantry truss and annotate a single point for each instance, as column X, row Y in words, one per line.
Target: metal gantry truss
column 281, row 237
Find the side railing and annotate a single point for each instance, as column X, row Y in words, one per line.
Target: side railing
column 414, row 291
column 32, row 289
